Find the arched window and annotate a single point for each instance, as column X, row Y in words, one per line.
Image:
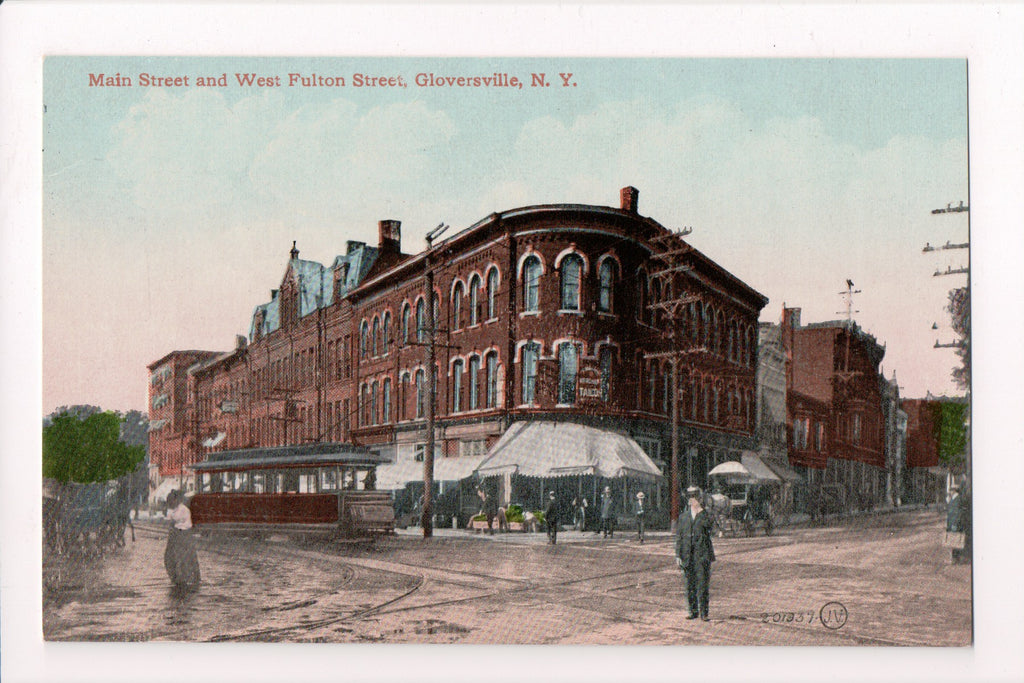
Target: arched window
column 364, row 409
column 531, row 284
column 474, row 379
column 364, row 342
column 531, row 352
column 386, row 332
column 421, row 321
column 492, row 294
column 404, row 323
column 373, row 403
column 606, row 277
column 457, row 386
column 572, row 268
column 386, row 401
column 474, row 300
column 492, row 380
column 421, row 393
column 457, row 306
column 376, row 336
column 403, row 397
column 568, row 362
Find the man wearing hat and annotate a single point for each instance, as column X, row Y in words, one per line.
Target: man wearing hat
column 695, row 553
column 551, row 518
column 607, row 512
column 958, row 519
column 638, row 508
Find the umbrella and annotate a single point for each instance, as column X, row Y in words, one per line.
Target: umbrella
column 730, row 467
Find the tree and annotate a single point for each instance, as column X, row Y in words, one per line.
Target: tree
column 87, row 449
column 960, row 313
column 948, row 419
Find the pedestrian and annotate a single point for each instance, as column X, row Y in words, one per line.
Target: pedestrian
column 958, row 522
column 489, row 508
column 695, row 553
column 551, row 518
column 608, row 513
column 180, row 555
column 638, row 508
column 579, row 508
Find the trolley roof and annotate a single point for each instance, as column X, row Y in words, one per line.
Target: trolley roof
column 307, row 455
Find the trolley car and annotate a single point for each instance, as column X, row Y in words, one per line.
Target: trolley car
column 324, row 488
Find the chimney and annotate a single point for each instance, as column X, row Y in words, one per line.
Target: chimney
column 390, row 232
column 628, row 199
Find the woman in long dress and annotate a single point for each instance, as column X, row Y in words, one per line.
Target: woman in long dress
column 180, row 556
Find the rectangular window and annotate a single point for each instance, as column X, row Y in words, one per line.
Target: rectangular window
column 477, row 447
column 855, row 429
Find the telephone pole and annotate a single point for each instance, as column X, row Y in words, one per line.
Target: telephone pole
column 427, row 515
column 673, row 264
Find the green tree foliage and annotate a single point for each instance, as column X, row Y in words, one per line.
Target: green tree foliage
column 960, row 314
column 87, row 448
column 949, row 420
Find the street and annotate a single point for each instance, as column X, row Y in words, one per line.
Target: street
column 875, row 580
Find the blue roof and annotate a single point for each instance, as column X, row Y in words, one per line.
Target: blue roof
column 315, row 284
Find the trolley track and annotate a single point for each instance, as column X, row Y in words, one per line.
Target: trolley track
column 562, row 592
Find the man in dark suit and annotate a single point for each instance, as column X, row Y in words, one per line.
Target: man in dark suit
column 694, row 554
column 551, row 518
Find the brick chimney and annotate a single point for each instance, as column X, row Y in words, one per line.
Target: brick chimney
column 390, row 235
column 629, row 199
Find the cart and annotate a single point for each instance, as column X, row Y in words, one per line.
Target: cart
column 739, row 500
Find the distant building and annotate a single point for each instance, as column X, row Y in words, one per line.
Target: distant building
column 171, row 419
column 834, row 409
column 925, row 479
column 546, row 314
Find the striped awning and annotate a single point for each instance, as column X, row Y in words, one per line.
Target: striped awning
column 562, row 449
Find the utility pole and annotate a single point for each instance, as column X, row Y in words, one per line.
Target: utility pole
column 958, row 344
column 671, row 304
column 427, row 514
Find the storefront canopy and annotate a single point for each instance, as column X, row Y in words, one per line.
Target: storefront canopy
column 752, row 461
column 558, row 449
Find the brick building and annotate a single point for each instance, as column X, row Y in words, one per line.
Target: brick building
column 835, row 409
column 924, row 478
column 171, row 427
column 545, row 315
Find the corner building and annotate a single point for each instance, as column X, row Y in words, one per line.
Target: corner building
column 561, row 321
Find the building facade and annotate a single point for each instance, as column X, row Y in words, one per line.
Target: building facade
column 835, row 409
column 552, row 313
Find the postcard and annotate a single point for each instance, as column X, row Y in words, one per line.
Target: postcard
column 369, row 348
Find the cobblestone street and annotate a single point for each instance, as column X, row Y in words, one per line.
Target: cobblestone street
column 891, row 578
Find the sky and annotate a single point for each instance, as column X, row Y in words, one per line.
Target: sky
column 168, row 212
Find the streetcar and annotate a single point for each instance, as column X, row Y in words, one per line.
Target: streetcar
column 324, row 488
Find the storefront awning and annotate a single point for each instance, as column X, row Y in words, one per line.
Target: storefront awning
column 558, row 449
column 785, row 472
column 757, row 468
